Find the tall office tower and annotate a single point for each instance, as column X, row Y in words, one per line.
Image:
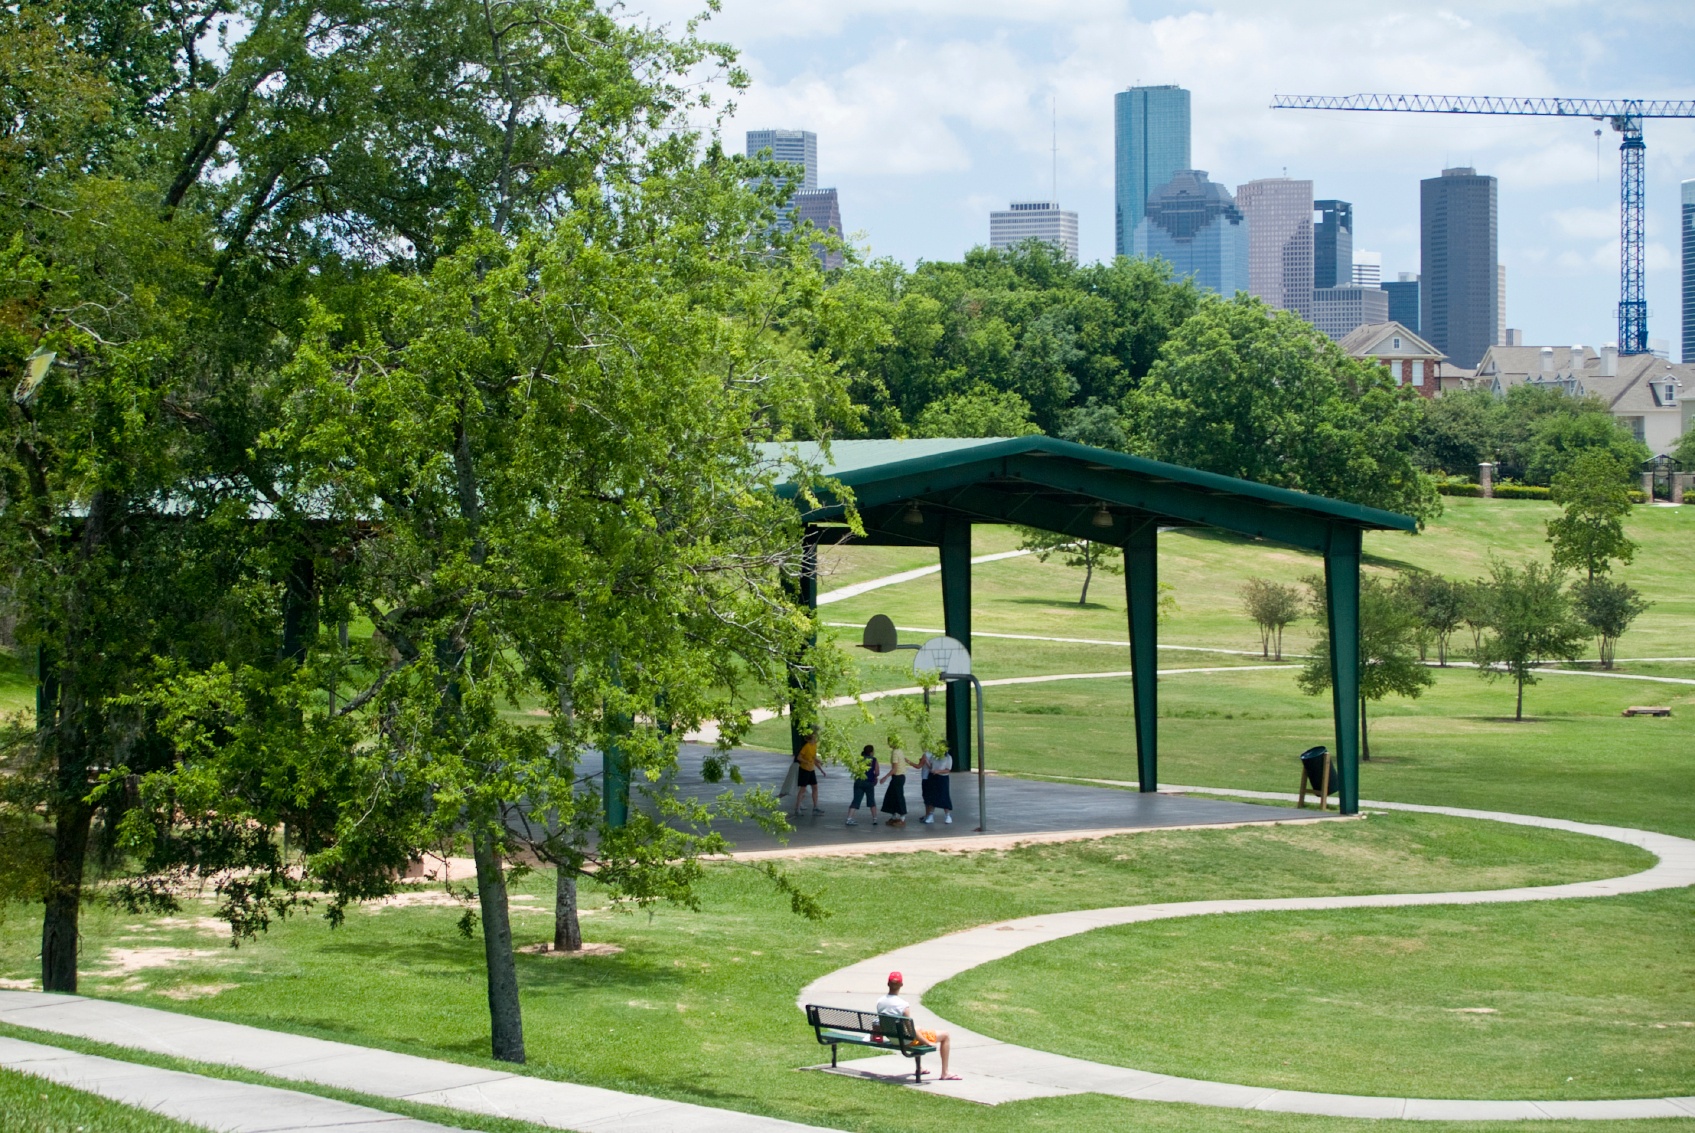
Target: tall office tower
column 1403, row 301
column 1689, row 271
column 1194, row 225
column 1034, row 220
column 1279, row 215
column 823, row 210
column 1457, row 257
column 1501, row 305
column 1150, row 130
column 1339, row 311
column 1333, row 244
column 792, row 147
column 1368, row 268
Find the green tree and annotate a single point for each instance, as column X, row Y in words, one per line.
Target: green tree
column 1530, row 622
column 978, row 413
column 1684, row 452
column 1079, row 554
column 1272, row 606
column 1440, row 604
column 1608, row 607
column 1560, row 440
column 1262, row 395
column 1389, row 664
column 1590, row 533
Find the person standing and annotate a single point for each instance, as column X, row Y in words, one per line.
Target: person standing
column 894, row 799
column 938, row 795
column 809, row 772
column 865, row 787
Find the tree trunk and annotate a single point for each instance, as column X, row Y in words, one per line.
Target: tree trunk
column 1088, row 573
column 71, row 820
column 1279, row 632
column 1518, row 714
column 1609, row 649
column 1442, row 650
column 567, row 930
column 506, row 1020
column 1365, row 734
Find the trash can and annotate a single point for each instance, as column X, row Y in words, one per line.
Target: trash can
column 1312, row 764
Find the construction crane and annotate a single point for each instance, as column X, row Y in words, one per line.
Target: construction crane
column 1624, row 115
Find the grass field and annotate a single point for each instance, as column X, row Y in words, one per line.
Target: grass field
column 699, row 1006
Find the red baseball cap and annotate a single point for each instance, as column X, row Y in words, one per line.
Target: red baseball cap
column 894, row 978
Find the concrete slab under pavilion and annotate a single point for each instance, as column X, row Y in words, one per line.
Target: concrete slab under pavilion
column 1037, row 809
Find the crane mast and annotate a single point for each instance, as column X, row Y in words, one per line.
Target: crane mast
column 1624, row 115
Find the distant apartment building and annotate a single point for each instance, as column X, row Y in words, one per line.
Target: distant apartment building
column 1333, row 244
column 1460, row 286
column 1643, row 392
column 1688, row 354
column 808, row 203
column 1403, row 300
column 1150, row 127
column 1193, row 224
column 1034, row 220
column 1339, row 311
column 1279, row 216
column 1368, row 268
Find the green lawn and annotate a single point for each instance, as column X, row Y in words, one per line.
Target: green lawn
column 39, row 1106
column 1565, row 999
column 699, row 1006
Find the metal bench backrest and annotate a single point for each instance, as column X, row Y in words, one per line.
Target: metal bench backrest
column 897, row 1027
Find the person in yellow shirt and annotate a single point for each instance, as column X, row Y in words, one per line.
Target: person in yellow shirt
column 809, row 772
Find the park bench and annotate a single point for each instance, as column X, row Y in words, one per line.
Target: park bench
column 836, row 1025
column 1647, row 710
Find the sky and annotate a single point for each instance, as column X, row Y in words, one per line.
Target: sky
column 930, row 113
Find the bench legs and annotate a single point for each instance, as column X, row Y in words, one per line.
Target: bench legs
column 918, row 1068
column 833, row 1056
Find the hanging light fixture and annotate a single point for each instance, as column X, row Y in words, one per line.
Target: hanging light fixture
column 912, row 515
column 1102, row 517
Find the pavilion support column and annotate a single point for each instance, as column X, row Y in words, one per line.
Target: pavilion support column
column 1141, row 591
column 956, row 622
column 801, row 681
column 1342, row 609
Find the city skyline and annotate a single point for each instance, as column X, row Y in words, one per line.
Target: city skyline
column 936, row 113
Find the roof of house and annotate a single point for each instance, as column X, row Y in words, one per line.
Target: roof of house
column 1368, row 341
column 1579, row 370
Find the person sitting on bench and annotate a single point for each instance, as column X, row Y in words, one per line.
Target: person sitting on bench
column 893, row 1004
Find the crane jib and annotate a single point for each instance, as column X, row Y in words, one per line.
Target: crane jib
column 1624, row 115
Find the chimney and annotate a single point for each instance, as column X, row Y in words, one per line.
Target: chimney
column 1547, row 359
column 1577, row 357
column 1609, row 360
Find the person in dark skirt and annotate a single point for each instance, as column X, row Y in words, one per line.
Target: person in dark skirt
column 894, row 799
column 937, row 794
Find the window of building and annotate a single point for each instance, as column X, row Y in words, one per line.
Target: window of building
column 1637, row 428
column 1396, row 345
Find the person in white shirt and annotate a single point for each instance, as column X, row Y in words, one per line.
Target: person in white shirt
column 893, row 1004
column 937, row 793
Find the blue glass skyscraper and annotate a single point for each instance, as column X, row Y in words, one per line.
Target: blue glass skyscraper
column 1194, row 225
column 1689, row 271
column 1150, row 144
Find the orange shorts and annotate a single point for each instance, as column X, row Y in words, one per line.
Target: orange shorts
column 929, row 1037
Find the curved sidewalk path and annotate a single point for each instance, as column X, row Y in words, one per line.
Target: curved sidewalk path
column 996, row 1071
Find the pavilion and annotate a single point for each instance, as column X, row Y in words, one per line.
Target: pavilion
column 928, row 493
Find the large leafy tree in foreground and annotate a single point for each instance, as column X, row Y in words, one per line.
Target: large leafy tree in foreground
column 1261, row 395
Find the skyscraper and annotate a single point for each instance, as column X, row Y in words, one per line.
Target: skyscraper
column 792, row 147
column 1403, row 301
column 1279, row 215
column 1500, row 304
column 1368, row 268
column 1459, row 304
column 808, row 203
column 1150, row 144
column 1034, row 220
column 1689, row 271
column 1333, row 244
column 1194, row 225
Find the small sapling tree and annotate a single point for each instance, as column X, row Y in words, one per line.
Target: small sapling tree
column 1272, row 606
column 1607, row 606
column 1080, row 554
column 1590, row 534
column 1530, row 621
column 1389, row 664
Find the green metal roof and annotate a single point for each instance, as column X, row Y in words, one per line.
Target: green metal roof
column 985, row 477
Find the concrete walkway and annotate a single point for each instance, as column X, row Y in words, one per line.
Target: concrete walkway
column 845, row 592
column 381, row 1073
column 212, row 1103
column 996, row 1072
